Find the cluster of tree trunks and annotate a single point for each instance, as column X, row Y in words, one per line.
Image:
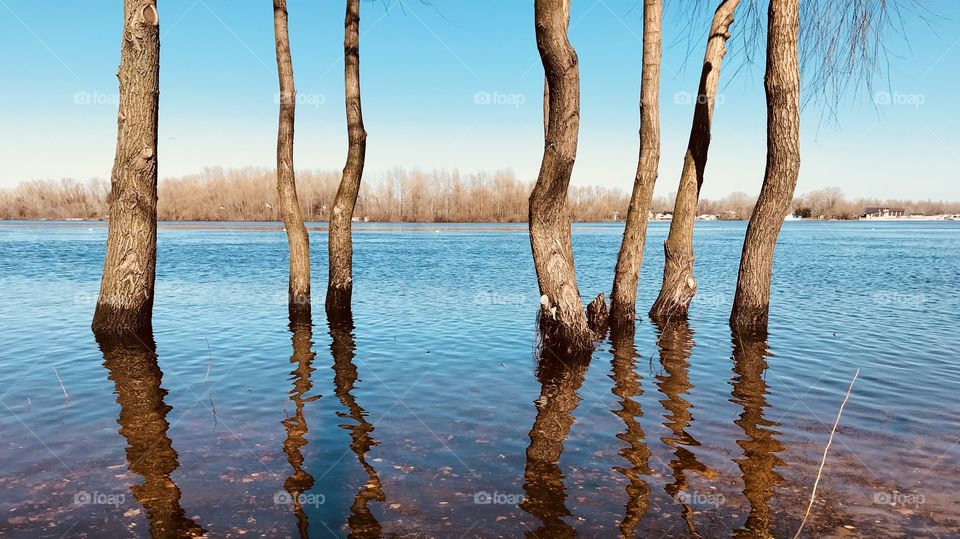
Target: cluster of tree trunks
column 127, row 288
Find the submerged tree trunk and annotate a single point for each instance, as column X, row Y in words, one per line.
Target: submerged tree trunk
column 563, row 323
column 129, row 269
column 679, row 284
column 782, row 83
column 623, row 299
column 340, row 242
column 299, row 288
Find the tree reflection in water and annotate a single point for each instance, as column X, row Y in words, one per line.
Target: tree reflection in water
column 760, row 447
column 560, row 376
column 131, row 361
column 301, row 328
column 343, row 348
column 627, row 387
column 676, row 344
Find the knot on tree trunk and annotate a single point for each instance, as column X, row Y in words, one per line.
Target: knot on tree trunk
column 139, row 22
column 598, row 318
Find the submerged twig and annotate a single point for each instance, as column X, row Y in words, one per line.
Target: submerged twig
column 816, row 482
column 64, row 389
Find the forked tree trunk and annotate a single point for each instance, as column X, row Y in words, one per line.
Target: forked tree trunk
column 129, row 269
column 563, row 323
column 623, row 299
column 340, row 241
column 299, row 288
column 679, row 284
column 782, row 83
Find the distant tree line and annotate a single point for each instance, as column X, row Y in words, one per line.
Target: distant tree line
column 250, row 194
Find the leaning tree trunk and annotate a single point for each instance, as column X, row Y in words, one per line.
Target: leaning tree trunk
column 129, row 269
column 340, row 242
column 679, row 284
column 563, row 322
column 751, row 303
column 623, row 299
column 299, row 288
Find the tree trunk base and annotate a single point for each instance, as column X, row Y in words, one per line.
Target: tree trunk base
column 558, row 337
column 752, row 320
column 622, row 316
column 674, row 299
column 109, row 320
column 338, row 302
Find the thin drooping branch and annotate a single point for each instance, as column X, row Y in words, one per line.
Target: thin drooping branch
column 679, row 284
column 340, row 242
column 297, row 237
column 563, row 322
column 623, row 299
column 125, row 303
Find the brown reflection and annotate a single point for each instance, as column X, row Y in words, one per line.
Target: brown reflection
column 560, row 376
column 760, row 447
column 132, row 364
column 301, row 328
column 627, row 387
column 343, row 348
column 676, row 345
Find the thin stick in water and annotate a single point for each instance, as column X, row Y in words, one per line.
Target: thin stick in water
column 65, row 396
column 816, row 482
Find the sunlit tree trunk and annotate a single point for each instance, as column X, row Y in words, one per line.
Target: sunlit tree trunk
column 623, row 299
column 340, row 243
column 562, row 318
column 299, row 288
column 679, row 284
column 125, row 303
column 782, row 83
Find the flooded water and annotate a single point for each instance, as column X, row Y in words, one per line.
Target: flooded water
column 429, row 415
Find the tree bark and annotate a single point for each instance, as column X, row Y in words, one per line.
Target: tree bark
column 623, row 299
column 340, row 241
column 563, row 322
column 751, row 303
column 679, row 285
column 125, row 303
column 297, row 237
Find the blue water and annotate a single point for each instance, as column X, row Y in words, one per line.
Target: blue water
column 432, row 404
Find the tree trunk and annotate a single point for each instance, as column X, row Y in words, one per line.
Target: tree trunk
column 299, row 288
column 679, row 284
column 623, row 299
column 340, row 242
column 751, row 303
column 563, row 322
column 129, row 268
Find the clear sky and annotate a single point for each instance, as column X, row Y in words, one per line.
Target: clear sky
column 456, row 85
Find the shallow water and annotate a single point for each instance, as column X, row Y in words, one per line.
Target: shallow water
column 428, row 414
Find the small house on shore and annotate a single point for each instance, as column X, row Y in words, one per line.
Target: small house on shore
column 874, row 212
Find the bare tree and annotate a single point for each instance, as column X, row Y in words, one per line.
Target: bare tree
column 340, row 241
column 297, row 237
column 563, row 321
column 679, row 284
column 751, row 303
column 125, row 303
column 623, row 298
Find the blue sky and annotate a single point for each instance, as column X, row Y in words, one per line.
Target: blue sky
column 423, row 71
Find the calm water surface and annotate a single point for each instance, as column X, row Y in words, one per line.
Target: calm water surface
column 428, row 414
